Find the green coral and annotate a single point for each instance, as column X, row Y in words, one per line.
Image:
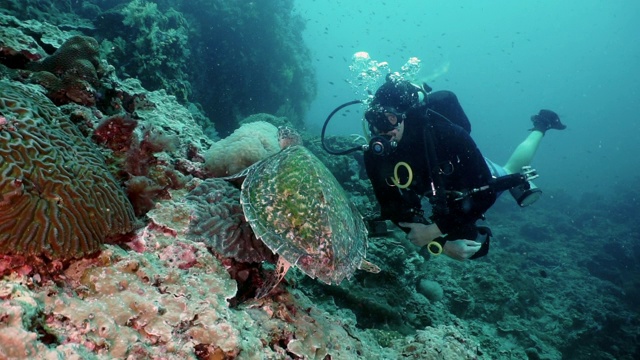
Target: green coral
column 160, row 47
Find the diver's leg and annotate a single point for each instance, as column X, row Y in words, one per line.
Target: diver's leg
column 523, row 154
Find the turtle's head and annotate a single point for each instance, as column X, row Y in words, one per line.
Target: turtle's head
column 288, row 136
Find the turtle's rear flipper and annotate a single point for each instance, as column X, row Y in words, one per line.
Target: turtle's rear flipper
column 272, row 281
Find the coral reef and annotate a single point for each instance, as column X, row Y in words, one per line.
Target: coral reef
column 115, row 132
column 58, row 198
column 277, row 121
column 445, row 342
column 125, row 304
column 255, row 71
column 50, row 15
column 170, row 301
column 168, row 45
column 214, row 52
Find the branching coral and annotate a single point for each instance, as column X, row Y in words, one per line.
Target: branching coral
column 143, row 193
column 156, row 50
column 149, row 177
column 57, row 198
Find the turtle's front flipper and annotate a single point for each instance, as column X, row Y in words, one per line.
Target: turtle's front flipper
column 369, row 267
column 241, row 175
column 281, row 269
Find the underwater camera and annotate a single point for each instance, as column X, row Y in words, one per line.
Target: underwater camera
column 526, row 194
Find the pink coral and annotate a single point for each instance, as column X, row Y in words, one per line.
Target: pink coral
column 148, row 179
column 180, row 255
column 116, row 132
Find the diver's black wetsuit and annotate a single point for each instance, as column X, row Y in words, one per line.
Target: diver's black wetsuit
column 458, row 157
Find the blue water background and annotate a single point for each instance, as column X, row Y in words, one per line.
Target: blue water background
column 506, row 60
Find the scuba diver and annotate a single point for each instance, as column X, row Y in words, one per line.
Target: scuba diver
column 421, row 148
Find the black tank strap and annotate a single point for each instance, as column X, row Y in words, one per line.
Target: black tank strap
column 438, row 191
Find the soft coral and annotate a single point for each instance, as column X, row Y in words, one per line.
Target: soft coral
column 140, row 156
column 143, row 193
column 116, row 132
column 150, row 177
column 146, row 177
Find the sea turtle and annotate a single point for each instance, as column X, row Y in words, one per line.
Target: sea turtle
column 296, row 206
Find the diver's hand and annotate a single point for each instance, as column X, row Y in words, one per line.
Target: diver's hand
column 421, row 234
column 461, row 249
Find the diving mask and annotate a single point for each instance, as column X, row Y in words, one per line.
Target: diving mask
column 377, row 118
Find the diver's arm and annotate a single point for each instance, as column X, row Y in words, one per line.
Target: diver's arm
column 388, row 197
column 421, row 234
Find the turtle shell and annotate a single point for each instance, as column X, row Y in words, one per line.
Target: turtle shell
column 300, row 211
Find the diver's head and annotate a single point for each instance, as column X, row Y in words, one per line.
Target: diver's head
column 390, row 105
column 386, row 122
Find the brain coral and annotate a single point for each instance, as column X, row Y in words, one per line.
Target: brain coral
column 218, row 221
column 245, row 146
column 57, row 197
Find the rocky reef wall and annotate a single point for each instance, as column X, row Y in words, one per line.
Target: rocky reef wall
column 230, row 59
